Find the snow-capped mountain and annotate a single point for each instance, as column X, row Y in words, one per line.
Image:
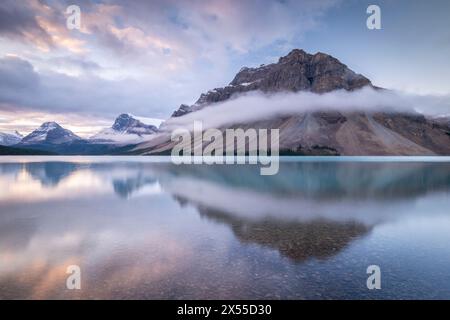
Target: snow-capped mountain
column 50, row 133
column 9, row 139
column 126, row 129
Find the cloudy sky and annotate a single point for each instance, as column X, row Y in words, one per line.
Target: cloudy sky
column 146, row 57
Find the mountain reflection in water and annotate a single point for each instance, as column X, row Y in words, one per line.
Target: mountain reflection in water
column 157, row 230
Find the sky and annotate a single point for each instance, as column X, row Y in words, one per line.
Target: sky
column 147, row 57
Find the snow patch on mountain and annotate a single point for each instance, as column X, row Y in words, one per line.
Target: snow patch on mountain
column 149, row 121
column 50, row 132
column 9, row 139
column 127, row 129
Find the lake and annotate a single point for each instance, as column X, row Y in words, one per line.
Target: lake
column 143, row 228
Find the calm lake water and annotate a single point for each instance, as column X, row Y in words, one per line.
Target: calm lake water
column 142, row 228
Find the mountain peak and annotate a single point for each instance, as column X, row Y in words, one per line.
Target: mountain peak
column 297, row 71
column 300, row 71
column 125, row 121
column 295, row 55
column 129, row 124
column 126, row 129
column 125, row 116
column 50, row 132
column 50, row 125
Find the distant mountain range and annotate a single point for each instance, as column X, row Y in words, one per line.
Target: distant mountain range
column 51, row 138
column 308, row 133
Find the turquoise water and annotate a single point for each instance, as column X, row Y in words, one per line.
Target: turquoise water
column 144, row 228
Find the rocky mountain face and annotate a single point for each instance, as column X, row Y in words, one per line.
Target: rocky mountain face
column 9, row 139
column 50, row 133
column 125, row 123
column 126, row 129
column 445, row 120
column 298, row 71
column 322, row 132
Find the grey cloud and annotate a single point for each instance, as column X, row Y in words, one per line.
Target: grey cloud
column 18, row 21
column 194, row 29
column 16, row 76
column 74, row 61
column 21, row 85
